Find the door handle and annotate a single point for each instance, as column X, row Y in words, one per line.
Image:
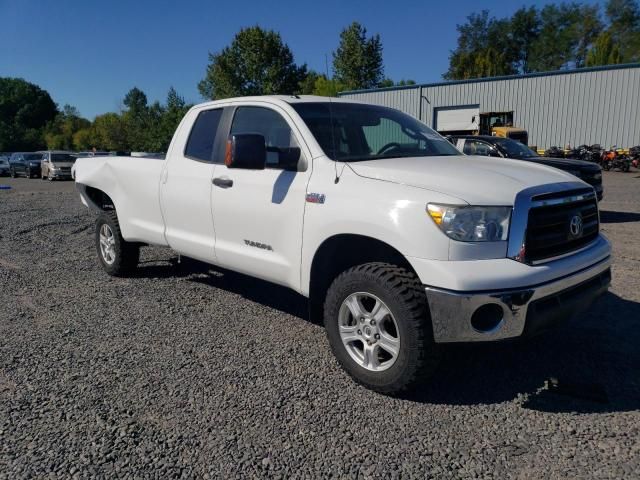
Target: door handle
column 222, row 182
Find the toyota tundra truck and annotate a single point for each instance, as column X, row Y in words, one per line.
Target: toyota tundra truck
column 400, row 242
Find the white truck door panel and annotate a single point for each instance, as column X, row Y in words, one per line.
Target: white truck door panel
column 259, row 213
column 186, row 188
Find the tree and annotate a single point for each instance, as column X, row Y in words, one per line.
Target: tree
column 110, row 132
column 59, row 133
column 328, row 87
column 604, row 52
column 483, row 49
column 25, row 109
column 624, row 26
column 257, row 62
column 357, row 63
column 387, row 82
column 524, row 29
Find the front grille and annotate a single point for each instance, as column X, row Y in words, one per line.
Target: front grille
column 549, row 227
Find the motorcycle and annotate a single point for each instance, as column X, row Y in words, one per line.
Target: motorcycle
column 554, row 152
column 634, row 154
column 615, row 158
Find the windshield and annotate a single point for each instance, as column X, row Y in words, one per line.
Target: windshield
column 350, row 132
column 513, row 148
column 62, row 157
column 33, row 156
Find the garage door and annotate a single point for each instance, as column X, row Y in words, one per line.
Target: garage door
column 457, row 119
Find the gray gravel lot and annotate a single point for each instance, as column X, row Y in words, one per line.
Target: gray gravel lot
column 188, row 372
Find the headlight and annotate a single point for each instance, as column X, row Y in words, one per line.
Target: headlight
column 471, row 224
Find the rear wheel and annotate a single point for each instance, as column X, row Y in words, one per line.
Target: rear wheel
column 117, row 256
column 12, row 172
column 377, row 322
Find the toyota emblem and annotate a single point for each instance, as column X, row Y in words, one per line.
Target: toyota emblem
column 575, row 226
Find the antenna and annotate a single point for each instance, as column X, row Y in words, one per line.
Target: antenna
column 331, row 124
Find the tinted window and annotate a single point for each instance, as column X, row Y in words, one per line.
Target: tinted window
column 515, row 149
column 33, row 156
column 351, row 132
column 203, row 134
column 282, row 147
column 62, row 157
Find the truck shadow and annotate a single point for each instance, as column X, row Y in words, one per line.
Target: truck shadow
column 607, row 216
column 591, row 364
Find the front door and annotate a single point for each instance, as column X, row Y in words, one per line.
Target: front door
column 258, row 213
column 186, row 187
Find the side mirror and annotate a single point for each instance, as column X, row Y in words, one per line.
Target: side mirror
column 246, row 150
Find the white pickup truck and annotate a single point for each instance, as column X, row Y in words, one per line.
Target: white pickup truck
column 400, row 242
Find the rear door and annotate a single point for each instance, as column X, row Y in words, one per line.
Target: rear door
column 186, row 185
column 258, row 214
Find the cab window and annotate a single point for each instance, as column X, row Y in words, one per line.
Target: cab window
column 203, row 133
column 474, row 147
column 282, row 148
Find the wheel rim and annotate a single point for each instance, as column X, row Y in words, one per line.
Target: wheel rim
column 107, row 244
column 369, row 331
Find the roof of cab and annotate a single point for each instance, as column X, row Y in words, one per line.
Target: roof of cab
column 276, row 99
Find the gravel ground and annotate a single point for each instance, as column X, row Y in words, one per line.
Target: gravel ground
column 188, row 372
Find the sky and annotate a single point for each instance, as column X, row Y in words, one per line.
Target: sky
column 89, row 53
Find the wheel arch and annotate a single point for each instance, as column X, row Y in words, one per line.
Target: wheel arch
column 96, row 199
column 341, row 252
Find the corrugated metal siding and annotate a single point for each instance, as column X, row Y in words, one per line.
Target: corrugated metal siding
column 572, row 108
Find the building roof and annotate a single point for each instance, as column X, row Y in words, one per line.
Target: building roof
column 496, row 79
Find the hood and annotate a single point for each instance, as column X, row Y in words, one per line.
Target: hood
column 564, row 163
column 474, row 179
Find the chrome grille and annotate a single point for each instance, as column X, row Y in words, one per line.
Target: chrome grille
column 560, row 223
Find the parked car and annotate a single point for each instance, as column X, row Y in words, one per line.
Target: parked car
column 4, row 166
column 56, row 165
column 25, row 163
column 399, row 242
column 490, row 146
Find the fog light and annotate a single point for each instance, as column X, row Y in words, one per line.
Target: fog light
column 487, row 318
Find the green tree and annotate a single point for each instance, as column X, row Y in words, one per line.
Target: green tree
column 604, row 51
column 357, row 63
column 25, row 109
column 59, row 133
column 624, row 26
column 328, row 87
column 483, row 49
column 109, row 132
column 566, row 32
column 257, row 62
column 524, row 29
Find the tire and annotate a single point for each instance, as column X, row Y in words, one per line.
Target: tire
column 124, row 256
column 408, row 317
column 12, row 173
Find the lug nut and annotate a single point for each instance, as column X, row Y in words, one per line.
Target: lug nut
column 361, row 319
column 373, row 322
column 377, row 336
column 359, row 332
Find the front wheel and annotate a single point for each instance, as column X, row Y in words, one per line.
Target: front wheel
column 117, row 256
column 377, row 323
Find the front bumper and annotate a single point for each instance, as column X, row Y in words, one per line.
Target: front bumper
column 515, row 312
column 60, row 175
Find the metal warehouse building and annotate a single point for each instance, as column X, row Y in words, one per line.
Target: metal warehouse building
column 582, row 106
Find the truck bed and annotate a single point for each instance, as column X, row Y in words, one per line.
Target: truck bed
column 132, row 183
